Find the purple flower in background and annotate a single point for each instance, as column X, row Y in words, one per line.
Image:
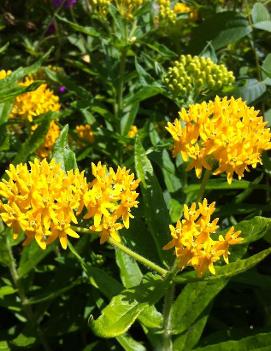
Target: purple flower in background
column 51, row 29
column 62, row 89
column 66, row 3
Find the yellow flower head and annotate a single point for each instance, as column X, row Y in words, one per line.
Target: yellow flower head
column 42, row 201
column 183, row 8
column 49, row 141
column 32, row 104
column 133, row 131
column 193, row 242
column 165, row 11
column 125, row 7
column 196, row 74
column 224, row 131
column 4, row 74
column 109, row 200
column 85, row 132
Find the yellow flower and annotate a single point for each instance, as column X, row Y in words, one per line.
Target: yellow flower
column 43, row 201
column 193, row 242
column 4, row 74
column 127, row 7
column 165, row 11
column 32, row 104
column 196, row 74
column 85, row 133
column 109, row 200
column 225, row 131
column 183, row 8
column 133, row 131
column 50, row 139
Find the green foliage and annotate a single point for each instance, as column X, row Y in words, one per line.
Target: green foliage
column 107, row 67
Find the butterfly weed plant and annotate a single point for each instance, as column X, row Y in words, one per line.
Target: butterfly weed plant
column 135, row 184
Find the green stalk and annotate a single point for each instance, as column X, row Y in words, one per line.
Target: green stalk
column 153, row 266
column 203, row 184
column 25, row 303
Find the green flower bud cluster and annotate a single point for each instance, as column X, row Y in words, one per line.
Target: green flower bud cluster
column 100, row 6
column 194, row 73
column 97, row 259
column 165, row 11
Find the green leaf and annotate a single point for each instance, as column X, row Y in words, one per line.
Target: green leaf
column 4, row 346
column 5, row 109
column 258, row 342
column 143, row 165
column 81, row 29
column 190, row 338
column 123, row 309
column 144, row 93
column 266, row 66
column 23, row 340
column 151, row 318
column 192, row 301
column 221, row 29
column 261, row 17
column 128, row 119
column 30, row 257
column 62, row 152
column 130, row 344
column 259, row 13
column 254, row 229
column 6, row 290
column 228, row 270
column 129, row 271
column 33, row 142
column 251, row 91
column 155, row 209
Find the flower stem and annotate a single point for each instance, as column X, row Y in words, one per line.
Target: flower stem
column 138, row 257
column 128, row 251
column 168, row 300
column 203, row 184
column 26, row 307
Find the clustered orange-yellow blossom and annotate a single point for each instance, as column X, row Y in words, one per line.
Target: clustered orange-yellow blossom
column 110, row 199
column 193, row 242
column 34, row 103
column 49, row 141
column 45, row 201
column 125, row 7
column 84, row 132
column 225, row 131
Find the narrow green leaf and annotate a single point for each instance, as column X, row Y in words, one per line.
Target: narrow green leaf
column 33, row 142
column 254, row 229
column 190, row 338
column 143, row 165
column 228, row 270
column 151, row 318
column 5, row 109
column 251, row 91
column 144, row 93
column 62, row 152
column 130, row 272
column 130, row 344
column 258, row 342
column 6, row 290
column 92, row 32
column 192, row 301
column 266, row 66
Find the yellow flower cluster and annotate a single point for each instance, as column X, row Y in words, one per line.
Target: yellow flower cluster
column 43, row 201
column 4, row 74
column 125, row 7
column 32, row 104
column 109, row 200
column 165, row 11
column 181, row 8
column 50, row 139
column 193, row 242
column 196, row 74
column 225, row 131
column 133, row 131
column 85, row 132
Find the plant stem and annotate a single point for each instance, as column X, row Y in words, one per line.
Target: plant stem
column 203, row 184
column 128, row 251
column 121, row 82
column 26, row 307
column 168, row 300
column 138, row 257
